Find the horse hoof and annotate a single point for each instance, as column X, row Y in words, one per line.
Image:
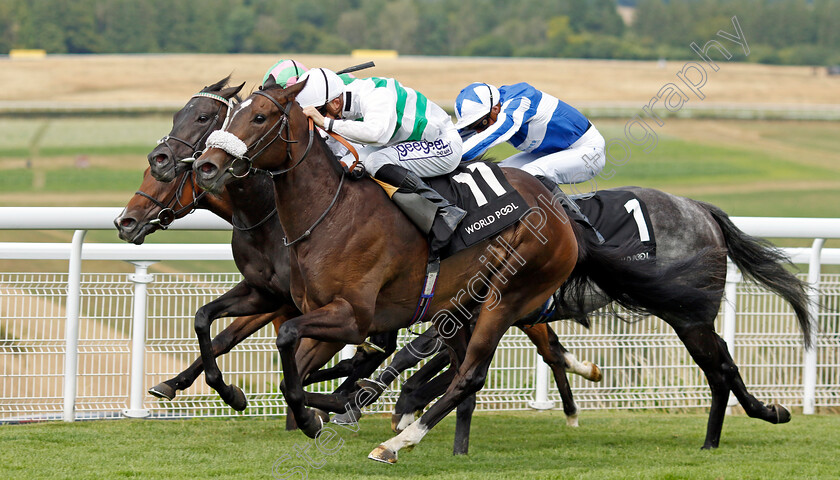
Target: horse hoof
column 572, row 421
column 782, row 413
column 594, row 372
column 238, row 400
column 395, row 421
column 350, row 417
column 317, row 420
column 383, row 454
column 162, row 390
column 372, row 385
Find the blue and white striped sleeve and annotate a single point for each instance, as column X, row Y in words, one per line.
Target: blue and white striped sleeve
column 506, row 125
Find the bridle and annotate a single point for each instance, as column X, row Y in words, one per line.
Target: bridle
column 194, row 147
column 167, row 214
column 236, row 148
column 282, row 125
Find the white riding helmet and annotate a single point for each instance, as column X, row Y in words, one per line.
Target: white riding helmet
column 322, row 85
column 474, row 102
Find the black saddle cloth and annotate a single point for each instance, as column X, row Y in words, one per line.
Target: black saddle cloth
column 491, row 203
column 623, row 219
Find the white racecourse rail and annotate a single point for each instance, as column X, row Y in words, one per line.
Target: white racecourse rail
column 86, row 345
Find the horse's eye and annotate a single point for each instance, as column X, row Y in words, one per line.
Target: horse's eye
column 259, row 119
column 203, row 118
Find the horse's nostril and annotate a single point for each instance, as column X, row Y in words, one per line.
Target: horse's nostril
column 207, row 168
column 127, row 222
column 160, row 158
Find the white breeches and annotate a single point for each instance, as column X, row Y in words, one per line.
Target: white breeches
column 579, row 163
column 426, row 159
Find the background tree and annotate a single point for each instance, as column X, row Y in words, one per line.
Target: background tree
column 778, row 31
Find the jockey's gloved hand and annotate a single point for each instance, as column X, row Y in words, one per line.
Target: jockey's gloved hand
column 356, row 173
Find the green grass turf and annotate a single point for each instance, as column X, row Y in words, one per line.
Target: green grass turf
column 608, row 445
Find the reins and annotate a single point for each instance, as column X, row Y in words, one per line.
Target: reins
column 245, row 229
column 167, row 214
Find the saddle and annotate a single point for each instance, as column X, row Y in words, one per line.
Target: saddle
column 491, row 203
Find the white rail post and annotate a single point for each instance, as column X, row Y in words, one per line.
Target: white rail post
column 541, row 401
column 141, row 277
column 810, row 357
column 730, row 311
column 71, row 329
column 346, row 353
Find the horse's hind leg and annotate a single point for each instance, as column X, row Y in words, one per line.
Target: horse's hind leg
column 709, row 352
column 470, row 378
column 560, row 361
column 463, row 420
column 420, row 389
column 423, row 346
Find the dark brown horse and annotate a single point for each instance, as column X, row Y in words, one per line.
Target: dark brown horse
column 357, row 264
column 205, row 112
column 263, row 296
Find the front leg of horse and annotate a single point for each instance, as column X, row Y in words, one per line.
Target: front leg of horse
column 238, row 330
column 334, row 322
column 241, row 300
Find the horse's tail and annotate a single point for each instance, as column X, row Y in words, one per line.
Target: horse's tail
column 643, row 286
column 764, row 264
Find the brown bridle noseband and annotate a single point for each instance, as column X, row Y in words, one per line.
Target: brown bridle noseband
column 167, row 214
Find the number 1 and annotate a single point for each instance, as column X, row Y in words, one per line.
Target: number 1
column 634, row 207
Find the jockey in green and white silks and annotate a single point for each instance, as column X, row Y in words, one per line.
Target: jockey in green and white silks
column 406, row 136
column 397, row 124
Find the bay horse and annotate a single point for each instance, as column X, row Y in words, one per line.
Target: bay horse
column 205, row 112
column 682, row 227
column 358, row 263
column 156, row 204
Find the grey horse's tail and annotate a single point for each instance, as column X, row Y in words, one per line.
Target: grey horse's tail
column 765, row 264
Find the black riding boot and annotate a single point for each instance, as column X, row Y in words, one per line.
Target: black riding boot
column 433, row 214
column 572, row 209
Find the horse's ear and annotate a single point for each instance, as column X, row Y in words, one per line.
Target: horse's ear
column 292, row 91
column 269, row 82
column 230, row 92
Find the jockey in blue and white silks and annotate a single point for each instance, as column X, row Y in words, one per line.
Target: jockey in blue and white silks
column 557, row 142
